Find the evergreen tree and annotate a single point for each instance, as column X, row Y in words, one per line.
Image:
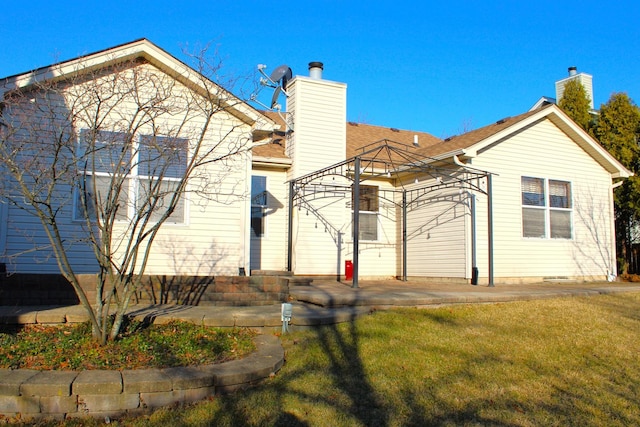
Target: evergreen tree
column 576, row 103
column 618, row 130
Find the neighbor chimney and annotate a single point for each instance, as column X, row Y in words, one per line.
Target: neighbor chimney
column 586, row 80
column 315, row 70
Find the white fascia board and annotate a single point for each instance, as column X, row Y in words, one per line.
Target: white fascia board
column 272, row 162
column 560, row 119
column 617, row 169
column 460, row 152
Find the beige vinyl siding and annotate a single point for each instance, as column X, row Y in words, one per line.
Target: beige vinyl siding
column 316, row 247
column 543, row 151
column 436, row 243
column 211, row 242
column 270, row 251
column 213, row 239
column 319, row 132
column 316, row 251
column 28, row 249
column 378, row 258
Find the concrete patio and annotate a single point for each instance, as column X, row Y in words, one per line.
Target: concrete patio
column 328, row 302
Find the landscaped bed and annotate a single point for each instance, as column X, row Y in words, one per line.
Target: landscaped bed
column 555, row 362
column 140, row 345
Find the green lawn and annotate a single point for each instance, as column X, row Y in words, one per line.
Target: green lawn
column 568, row 361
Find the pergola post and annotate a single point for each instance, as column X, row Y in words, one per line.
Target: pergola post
column 490, row 227
column 404, row 236
column 290, row 230
column 356, row 220
column 380, row 162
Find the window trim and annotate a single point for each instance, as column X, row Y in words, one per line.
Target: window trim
column 262, row 207
column 134, row 187
column 545, row 205
column 375, row 213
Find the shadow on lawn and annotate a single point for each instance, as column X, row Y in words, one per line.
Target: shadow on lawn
column 346, row 374
column 478, row 383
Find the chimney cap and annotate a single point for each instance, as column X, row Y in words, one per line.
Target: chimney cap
column 315, row 70
column 573, row 70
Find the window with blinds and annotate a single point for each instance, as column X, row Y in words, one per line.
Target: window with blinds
column 546, row 208
column 144, row 173
column 368, row 206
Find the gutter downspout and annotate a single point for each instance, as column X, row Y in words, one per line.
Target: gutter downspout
column 490, row 227
column 490, row 242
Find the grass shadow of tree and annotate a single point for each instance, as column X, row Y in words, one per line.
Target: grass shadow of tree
column 482, row 369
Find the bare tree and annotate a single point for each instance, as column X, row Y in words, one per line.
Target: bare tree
column 105, row 156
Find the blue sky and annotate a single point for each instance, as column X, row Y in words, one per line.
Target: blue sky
column 438, row 67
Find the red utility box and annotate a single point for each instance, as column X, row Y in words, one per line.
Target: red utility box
column 348, row 270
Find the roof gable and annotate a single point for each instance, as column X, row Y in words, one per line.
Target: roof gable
column 471, row 143
column 154, row 55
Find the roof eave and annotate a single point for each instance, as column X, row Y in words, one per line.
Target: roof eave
column 460, row 153
column 560, row 119
column 271, row 162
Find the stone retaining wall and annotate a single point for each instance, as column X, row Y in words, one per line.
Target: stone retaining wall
column 53, row 289
column 99, row 393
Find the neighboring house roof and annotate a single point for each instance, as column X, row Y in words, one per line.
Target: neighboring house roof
column 542, row 102
column 148, row 51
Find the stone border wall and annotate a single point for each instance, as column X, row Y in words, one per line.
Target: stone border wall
column 52, row 289
column 100, row 393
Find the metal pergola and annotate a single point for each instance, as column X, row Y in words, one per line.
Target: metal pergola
column 417, row 176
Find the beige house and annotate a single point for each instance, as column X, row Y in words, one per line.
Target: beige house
column 525, row 199
column 125, row 104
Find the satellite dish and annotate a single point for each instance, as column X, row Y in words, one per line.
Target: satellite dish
column 277, row 80
column 274, row 98
column 282, row 73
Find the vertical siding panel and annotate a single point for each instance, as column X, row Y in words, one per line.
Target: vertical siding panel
column 436, row 244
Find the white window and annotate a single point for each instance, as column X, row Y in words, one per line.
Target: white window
column 259, row 201
column 162, row 162
column 546, row 208
column 368, row 213
column 146, row 170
